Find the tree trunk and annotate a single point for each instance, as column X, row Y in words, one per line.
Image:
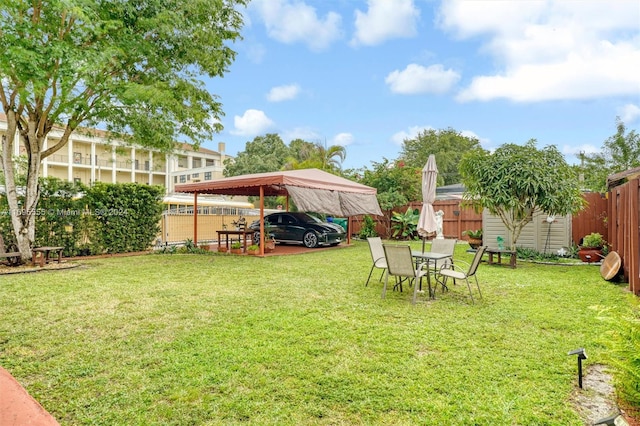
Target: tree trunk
column 22, row 215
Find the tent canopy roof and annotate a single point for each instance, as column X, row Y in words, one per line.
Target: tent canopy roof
column 311, row 190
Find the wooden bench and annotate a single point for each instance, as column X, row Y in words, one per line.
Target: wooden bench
column 45, row 252
column 500, row 252
column 13, row 258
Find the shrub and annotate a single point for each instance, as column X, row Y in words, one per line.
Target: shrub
column 368, row 228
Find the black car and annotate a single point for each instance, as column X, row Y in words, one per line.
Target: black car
column 300, row 228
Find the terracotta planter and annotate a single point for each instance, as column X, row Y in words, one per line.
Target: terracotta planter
column 474, row 243
column 590, row 255
column 253, row 252
column 236, row 251
column 269, row 246
column 222, row 249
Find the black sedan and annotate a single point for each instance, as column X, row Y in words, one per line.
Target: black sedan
column 300, row 228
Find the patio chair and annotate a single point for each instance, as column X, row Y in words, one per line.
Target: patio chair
column 457, row 273
column 401, row 265
column 377, row 255
column 446, row 246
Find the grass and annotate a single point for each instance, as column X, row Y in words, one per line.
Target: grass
column 212, row 340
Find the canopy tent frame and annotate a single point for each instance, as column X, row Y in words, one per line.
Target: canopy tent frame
column 311, row 190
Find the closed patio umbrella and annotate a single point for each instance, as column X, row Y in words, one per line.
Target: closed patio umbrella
column 427, row 222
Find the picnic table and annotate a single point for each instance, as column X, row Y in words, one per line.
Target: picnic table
column 45, row 253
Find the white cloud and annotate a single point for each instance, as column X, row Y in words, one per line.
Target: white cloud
column 575, row 150
column 416, row 79
column 342, row 139
column 294, row 21
column 385, row 20
column 399, row 137
column 283, row 93
column 629, row 113
column 252, row 123
column 554, row 49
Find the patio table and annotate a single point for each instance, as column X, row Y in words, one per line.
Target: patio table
column 429, row 256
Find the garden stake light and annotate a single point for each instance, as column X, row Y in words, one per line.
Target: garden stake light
column 581, row 355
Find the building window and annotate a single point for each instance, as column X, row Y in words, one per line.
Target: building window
column 183, row 178
column 77, row 158
column 147, row 165
column 175, row 179
column 210, row 162
column 207, row 175
column 195, row 175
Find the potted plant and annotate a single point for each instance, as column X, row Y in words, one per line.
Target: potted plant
column 474, row 238
column 236, row 247
column 221, row 248
column 591, row 247
column 253, row 249
column 269, row 240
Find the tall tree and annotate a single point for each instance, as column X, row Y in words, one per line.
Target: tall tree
column 397, row 184
column 132, row 66
column 307, row 155
column 620, row 152
column 447, row 145
column 516, row 180
column 264, row 154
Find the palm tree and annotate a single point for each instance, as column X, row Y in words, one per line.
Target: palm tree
column 319, row 157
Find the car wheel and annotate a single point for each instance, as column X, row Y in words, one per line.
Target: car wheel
column 256, row 238
column 310, row 239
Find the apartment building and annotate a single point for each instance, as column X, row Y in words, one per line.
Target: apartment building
column 90, row 156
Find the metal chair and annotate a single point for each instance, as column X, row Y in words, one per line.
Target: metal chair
column 445, row 246
column 457, row 273
column 400, row 264
column 377, row 255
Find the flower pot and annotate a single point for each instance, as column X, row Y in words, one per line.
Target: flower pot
column 236, row 251
column 590, row 254
column 269, row 246
column 474, row 243
column 222, row 249
column 253, row 252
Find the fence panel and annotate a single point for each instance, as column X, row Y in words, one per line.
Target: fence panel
column 593, row 218
column 176, row 228
column 624, row 230
column 456, row 219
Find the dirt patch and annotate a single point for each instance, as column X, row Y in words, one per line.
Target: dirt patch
column 26, row 268
column 597, row 400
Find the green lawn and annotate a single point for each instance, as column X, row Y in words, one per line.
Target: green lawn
column 292, row 340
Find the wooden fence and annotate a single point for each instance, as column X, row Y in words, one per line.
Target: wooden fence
column 624, row 230
column 456, row 219
column 593, row 218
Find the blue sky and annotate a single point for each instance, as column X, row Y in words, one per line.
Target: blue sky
column 368, row 73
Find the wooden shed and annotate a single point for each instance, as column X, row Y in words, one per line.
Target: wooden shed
column 543, row 234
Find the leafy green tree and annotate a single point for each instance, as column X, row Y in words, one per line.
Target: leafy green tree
column 620, row 152
column 132, row 67
column 264, row 154
column 516, row 180
column 447, row 145
column 397, row 184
